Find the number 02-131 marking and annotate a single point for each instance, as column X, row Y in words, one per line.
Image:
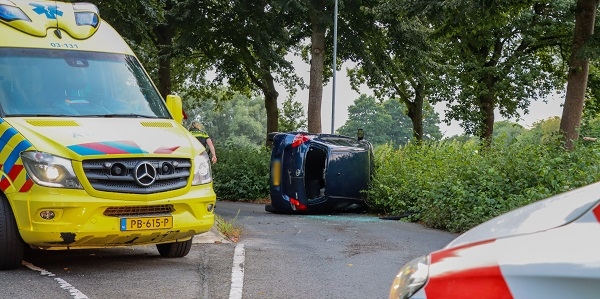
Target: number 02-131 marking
column 64, row 46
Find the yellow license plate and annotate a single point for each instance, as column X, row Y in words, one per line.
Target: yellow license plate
column 276, row 173
column 144, row 223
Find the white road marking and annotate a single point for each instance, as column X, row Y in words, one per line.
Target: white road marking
column 75, row 293
column 237, row 273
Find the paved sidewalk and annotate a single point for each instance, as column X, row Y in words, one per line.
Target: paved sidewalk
column 212, row 236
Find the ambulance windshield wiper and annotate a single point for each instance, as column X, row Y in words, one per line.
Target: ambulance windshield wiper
column 40, row 115
column 130, row 115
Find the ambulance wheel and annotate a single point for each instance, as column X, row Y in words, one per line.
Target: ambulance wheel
column 177, row 249
column 12, row 246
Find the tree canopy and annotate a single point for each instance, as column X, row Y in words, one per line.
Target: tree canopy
column 478, row 57
column 386, row 122
column 239, row 121
column 496, row 51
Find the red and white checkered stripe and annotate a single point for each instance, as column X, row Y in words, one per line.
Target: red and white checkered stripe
column 563, row 262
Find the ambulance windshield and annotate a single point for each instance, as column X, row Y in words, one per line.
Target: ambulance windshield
column 41, row 82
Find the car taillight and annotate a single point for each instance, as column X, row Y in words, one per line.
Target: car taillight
column 297, row 205
column 300, row 139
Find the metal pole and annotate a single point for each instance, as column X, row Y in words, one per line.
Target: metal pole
column 335, row 17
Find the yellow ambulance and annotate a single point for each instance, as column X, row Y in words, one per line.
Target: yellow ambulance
column 91, row 155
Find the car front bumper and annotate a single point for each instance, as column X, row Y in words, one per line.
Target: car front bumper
column 82, row 221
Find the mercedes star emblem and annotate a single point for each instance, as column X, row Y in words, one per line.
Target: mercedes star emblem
column 145, row 174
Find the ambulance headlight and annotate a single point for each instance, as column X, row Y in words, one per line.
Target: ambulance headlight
column 202, row 172
column 49, row 170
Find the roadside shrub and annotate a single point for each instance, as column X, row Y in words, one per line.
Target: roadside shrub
column 451, row 184
column 242, row 172
column 455, row 185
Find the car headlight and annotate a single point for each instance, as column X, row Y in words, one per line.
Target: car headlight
column 410, row 278
column 202, row 173
column 51, row 171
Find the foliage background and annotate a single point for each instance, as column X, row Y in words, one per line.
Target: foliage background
column 476, row 56
column 453, row 184
column 386, row 121
column 242, row 173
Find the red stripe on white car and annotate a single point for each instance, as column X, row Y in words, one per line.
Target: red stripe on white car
column 478, row 283
column 597, row 213
column 466, row 278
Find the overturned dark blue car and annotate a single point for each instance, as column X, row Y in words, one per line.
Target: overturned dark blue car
column 319, row 173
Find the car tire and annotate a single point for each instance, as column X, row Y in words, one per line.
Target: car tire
column 12, row 247
column 270, row 209
column 176, row 249
column 271, row 136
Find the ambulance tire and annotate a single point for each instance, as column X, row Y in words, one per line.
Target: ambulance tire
column 12, row 247
column 177, row 249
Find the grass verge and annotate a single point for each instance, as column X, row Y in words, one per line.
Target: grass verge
column 229, row 228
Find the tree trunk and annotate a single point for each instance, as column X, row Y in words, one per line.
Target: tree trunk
column 486, row 106
column 271, row 96
column 585, row 15
column 317, row 60
column 164, row 39
column 415, row 112
column 486, row 109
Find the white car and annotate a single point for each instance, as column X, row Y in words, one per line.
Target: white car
column 547, row 249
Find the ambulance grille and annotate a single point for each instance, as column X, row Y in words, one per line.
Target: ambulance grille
column 138, row 210
column 119, row 175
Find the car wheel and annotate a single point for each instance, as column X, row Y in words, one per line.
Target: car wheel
column 271, row 136
column 177, row 249
column 12, row 247
column 270, row 209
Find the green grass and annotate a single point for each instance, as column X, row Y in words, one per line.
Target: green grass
column 229, row 228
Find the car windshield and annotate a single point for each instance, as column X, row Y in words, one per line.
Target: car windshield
column 40, row 82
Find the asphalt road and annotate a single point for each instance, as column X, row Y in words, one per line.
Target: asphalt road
column 282, row 256
column 325, row 256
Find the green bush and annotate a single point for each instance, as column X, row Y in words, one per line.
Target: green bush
column 452, row 184
column 456, row 185
column 242, row 172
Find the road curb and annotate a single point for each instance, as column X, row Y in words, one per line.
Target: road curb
column 211, row 236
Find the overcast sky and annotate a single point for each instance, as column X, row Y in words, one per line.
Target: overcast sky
column 345, row 97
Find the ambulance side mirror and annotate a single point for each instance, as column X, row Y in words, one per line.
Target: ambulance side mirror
column 175, row 107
